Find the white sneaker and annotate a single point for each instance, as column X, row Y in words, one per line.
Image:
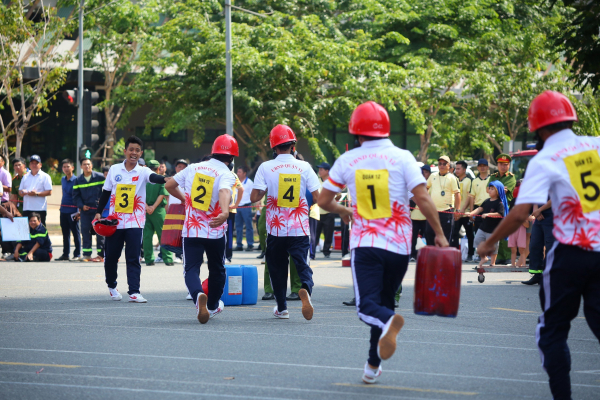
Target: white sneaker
column 307, row 307
column 282, row 315
column 114, row 294
column 219, row 309
column 158, row 259
column 177, row 260
column 189, row 297
column 227, row 261
column 137, row 298
column 387, row 341
column 202, row 312
column 371, row 375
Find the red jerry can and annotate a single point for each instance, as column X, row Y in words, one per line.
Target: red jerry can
column 171, row 235
column 437, row 281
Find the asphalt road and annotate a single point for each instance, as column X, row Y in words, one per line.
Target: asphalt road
column 61, row 337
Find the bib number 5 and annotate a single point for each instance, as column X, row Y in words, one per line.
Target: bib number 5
column 584, row 171
column 288, row 194
column 372, row 193
column 202, row 191
column 124, row 198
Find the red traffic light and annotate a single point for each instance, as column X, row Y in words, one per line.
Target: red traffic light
column 70, row 96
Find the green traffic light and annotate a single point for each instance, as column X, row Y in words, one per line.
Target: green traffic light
column 88, row 153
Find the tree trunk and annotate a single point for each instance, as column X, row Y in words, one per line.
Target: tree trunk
column 425, row 141
column 20, row 133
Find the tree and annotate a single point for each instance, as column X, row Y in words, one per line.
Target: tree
column 31, row 67
column 117, row 31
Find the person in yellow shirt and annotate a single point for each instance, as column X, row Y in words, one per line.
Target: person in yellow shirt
column 466, row 206
column 479, row 186
column 443, row 189
column 419, row 224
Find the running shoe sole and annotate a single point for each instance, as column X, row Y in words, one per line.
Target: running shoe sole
column 137, row 300
column 307, row 308
column 116, row 298
column 203, row 314
column 387, row 341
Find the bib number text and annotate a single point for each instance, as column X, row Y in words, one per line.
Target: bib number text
column 372, row 193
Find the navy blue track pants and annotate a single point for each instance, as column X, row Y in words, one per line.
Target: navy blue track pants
column 131, row 238
column 193, row 256
column 377, row 276
column 279, row 249
column 571, row 273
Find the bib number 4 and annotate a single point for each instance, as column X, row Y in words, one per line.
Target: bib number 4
column 584, row 172
column 372, row 193
column 202, row 191
column 288, row 195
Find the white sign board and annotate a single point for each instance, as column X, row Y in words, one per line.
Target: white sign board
column 17, row 230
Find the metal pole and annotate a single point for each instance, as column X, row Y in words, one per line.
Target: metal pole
column 80, row 91
column 228, row 88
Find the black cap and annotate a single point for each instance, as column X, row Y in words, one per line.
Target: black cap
column 426, row 167
column 35, row 157
column 181, row 161
column 324, row 165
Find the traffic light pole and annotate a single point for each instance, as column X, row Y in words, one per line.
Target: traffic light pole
column 80, row 91
column 228, row 77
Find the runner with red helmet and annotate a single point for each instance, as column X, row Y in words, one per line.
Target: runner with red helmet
column 125, row 187
column 286, row 178
column 567, row 169
column 379, row 176
column 207, row 187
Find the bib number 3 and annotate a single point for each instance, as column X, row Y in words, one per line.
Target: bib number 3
column 124, row 198
column 288, row 195
column 584, row 171
column 202, row 191
column 372, row 193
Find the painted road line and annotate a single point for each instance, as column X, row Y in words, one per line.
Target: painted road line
column 337, row 287
column 408, row 389
column 39, row 365
column 510, row 309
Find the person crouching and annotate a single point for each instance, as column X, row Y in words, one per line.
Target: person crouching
column 39, row 247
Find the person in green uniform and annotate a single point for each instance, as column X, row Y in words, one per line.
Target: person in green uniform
column 156, row 200
column 509, row 181
column 20, row 171
column 295, row 281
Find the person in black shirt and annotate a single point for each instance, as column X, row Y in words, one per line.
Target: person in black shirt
column 492, row 210
column 39, row 248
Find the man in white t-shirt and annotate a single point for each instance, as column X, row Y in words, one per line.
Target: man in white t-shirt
column 287, row 179
column 125, row 187
column 206, row 194
column 379, row 176
column 35, row 187
column 566, row 168
column 244, row 215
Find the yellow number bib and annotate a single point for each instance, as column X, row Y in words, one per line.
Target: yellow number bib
column 124, row 198
column 202, row 191
column 584, row 171
column 372, row 193
column 289, row 191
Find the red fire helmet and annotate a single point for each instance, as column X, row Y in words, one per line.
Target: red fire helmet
column 226, row 144
column 550, row 108
column 105, row 227
column 370, row 119
column 281, row 134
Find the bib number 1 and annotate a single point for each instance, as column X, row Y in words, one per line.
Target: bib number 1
column 584, row 171
column 372, row 193
column 124, row 198
column 288, row 195
column 202, row 191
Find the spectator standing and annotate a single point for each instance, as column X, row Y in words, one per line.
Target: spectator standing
column 180, row 165
column 479, row 188
column 162, row 169
column 69, row 216
column 20, row 171
column 541, row 237
column 491, row 210
column 509, row 181
column 443, row 189
column 244, row 215
column 6, row 181
column 517, row 241
column 326, row 224
column 169, row 166
column 465, row 184
column 35, row 187
column 156, row 200
column 237, row 192
column 419, row 222
column 86, row 193
column 39, row 247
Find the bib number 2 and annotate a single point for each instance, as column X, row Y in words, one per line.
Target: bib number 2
column 202, row 191
column 372, row 193
column 124, row 198
column 584, row 171
column 288, row 195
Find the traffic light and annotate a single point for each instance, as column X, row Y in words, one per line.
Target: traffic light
column 90, row 118
column 71, row 97
column 85, row 152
